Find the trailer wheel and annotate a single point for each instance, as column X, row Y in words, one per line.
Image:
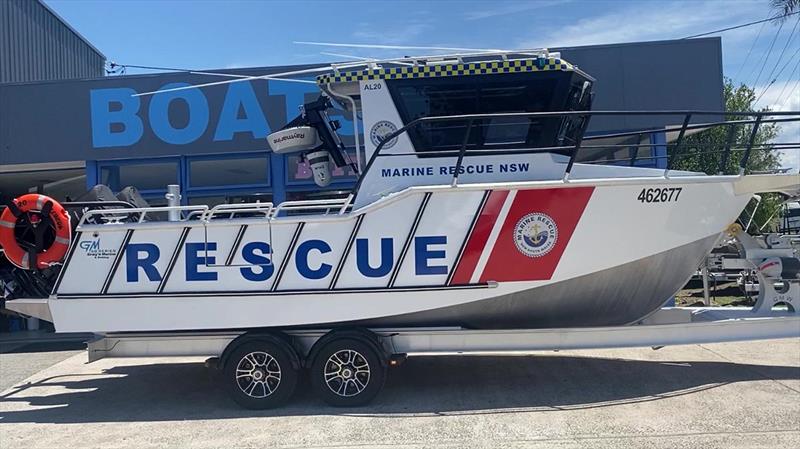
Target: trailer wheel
column 347, row 372
column 260, row 375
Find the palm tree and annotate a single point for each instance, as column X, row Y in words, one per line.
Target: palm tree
column 785, row 7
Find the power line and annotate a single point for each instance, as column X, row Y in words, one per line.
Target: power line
column 742, row 25
column 769, row 52
column 794, row 88
column 746, row 58
column 779, row 74
column 780, row 57
column 786, row 84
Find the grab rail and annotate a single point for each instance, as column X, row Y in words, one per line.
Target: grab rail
column 339, row 204
column 259, row 208
column 756, row 119
column 118, row 215
column 205, row 214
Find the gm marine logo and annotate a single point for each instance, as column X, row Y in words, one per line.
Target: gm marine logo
column 92, row 249
column 535, row 234
column 379, row 132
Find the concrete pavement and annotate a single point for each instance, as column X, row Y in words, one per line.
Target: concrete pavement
column 23, row 354
column 722, row 395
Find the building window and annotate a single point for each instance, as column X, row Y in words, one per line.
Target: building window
column 144, row 176
column 218, row 172
column 316, row 195
column 230, row 198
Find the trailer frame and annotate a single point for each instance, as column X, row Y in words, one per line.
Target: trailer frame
column 667, row 327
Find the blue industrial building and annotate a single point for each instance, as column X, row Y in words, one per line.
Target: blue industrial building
column 61, row 137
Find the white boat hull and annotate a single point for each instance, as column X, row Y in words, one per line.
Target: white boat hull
column 423, row 257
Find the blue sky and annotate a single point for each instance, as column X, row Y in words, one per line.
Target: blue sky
column 225, row 34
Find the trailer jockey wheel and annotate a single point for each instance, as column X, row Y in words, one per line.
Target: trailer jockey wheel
column 260, row 375
column 347, row 373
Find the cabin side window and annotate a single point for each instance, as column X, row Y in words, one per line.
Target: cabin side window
column 487, row 94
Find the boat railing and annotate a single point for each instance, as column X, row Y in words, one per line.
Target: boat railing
column 136, row 214
column 204, row 214
column 741, row 131
column 336, row 205
column 231, row 210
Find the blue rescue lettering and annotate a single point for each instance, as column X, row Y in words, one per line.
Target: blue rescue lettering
column 301, row 259
column 387, row 258
column 194, row 259
column 264, row 268
column 423, row 254
column 147, row 263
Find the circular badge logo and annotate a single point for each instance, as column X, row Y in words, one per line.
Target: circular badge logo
column 535, row 234
column 380, row 130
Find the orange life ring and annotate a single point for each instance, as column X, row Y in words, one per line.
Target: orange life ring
column 33, row 206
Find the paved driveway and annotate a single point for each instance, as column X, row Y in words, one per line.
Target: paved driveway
column 21, row 359
column 723, row 395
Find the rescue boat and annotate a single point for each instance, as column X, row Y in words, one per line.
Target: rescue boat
column 473, row 209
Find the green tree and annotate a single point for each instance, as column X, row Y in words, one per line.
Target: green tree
column 704, row 152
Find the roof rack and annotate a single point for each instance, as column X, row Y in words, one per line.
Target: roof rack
column 447, row 58
column 481, row 63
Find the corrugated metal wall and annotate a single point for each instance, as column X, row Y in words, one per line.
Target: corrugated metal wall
column 35, row 45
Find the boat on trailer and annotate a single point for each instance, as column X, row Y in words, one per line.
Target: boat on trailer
column 474, row 214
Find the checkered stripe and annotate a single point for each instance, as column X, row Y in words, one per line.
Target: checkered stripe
column 429, row 71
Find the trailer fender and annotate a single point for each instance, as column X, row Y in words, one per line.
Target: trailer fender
column 277, row 338
column 357, row 333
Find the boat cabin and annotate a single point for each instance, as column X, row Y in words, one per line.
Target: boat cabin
column 489, row 133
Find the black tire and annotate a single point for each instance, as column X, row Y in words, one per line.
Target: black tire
column 347, row 373
column 271, row 379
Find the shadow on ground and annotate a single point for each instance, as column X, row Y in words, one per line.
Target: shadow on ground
column 44, row 346
column 422, row 386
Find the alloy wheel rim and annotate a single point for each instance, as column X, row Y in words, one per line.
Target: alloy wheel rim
column 347, row 373
column 258, row 374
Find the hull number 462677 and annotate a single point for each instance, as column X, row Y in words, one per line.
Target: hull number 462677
column 659, row 195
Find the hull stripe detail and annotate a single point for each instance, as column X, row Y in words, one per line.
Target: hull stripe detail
column 533, row 234
column 117, row 260
column 346, row 252
column 497, row 225
column 410, row 237
column 251, row 293
column 463, row 247
column 173, row 259
column 67, row 260
column 236, row 244
column 286, row 256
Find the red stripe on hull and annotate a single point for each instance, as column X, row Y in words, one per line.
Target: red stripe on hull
column 535, row 234
column 478, row 237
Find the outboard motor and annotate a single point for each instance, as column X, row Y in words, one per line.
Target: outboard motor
column 313, row 134
column 781, row 267
column 777, row 268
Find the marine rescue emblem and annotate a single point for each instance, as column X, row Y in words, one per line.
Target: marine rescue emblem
column 379, row 132
column 535, row 234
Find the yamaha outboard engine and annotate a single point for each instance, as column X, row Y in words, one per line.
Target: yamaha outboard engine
column 313, row 134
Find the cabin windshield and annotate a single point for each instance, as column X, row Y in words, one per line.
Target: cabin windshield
column 488, row 94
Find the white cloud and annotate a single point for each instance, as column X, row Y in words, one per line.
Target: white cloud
column 788, row 101
column 405, row 32
column 510, row 8
column 643, row 21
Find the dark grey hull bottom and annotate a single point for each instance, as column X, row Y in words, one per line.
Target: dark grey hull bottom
column 617, row 296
